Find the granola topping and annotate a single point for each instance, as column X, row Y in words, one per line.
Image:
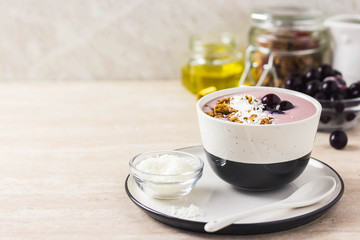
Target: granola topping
column 245, row 109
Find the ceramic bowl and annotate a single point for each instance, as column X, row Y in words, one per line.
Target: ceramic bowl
column 257, row 157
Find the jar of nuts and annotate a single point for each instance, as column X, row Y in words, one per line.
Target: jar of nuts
column 283, row 41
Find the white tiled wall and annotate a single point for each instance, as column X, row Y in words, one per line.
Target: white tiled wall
column 119, row 39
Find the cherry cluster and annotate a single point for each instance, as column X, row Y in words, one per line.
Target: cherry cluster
column 326, row 83
column 274, row 104
column 323, row 83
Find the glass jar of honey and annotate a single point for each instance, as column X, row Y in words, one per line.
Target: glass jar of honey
column 284, row 41
column 214, row 61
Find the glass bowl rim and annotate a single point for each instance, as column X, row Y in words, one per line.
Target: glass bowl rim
column 349, row 102
column 199, row 169
column 162, row 183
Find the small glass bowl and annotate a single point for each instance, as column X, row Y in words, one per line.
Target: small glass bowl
column 166, row 186
column 341, row 114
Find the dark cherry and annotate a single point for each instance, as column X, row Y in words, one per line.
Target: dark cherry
column 337, row 73
column 338, row 139
column 355, row 94
column 313, row 74
column 350, row 116
column 339, row 107
column 312, row 87
column 325, row 119
column 354, row 89
column 329, row 88
column 339, row 81
column 283, row 106
column 295, row 82
column 325, row 70
column 270, row 101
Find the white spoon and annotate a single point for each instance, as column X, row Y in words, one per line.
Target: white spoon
column 308, row 194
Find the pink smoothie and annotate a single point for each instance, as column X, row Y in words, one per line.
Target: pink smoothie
column 302, row 108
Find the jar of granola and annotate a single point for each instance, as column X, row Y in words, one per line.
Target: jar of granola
column 283, row 41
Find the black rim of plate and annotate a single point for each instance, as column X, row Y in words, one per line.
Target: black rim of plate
column 240, row 229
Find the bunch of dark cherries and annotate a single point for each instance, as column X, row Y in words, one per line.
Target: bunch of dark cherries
column 326, row 83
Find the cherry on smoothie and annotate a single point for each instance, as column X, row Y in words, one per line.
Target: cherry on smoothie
column 270, row 100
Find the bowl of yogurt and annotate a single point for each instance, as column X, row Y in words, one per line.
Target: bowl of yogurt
column 166, row 174
column 258, row 138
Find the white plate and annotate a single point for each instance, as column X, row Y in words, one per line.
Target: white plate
column 216, row 198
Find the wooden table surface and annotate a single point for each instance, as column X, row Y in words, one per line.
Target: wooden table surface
column 65, row 148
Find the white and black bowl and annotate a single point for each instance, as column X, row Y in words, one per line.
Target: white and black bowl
column 257, row 157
